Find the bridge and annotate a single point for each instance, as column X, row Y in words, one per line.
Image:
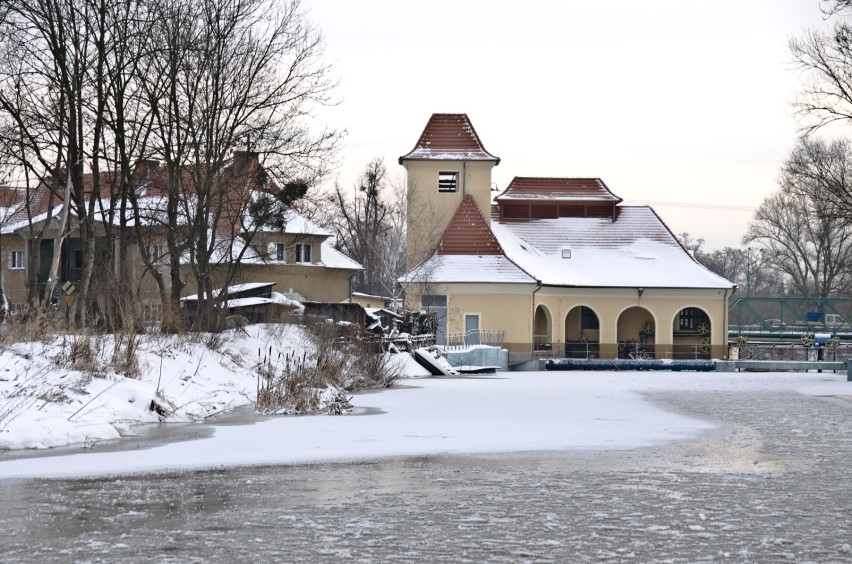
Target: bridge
column 790, row 320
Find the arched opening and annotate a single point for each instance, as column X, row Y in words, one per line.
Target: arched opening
column 542, row 329
column 691, row 332
column 582, row 333
column 636, row 333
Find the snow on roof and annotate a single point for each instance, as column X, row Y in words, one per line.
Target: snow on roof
column 297, row 224
column 636, row 250
column 332, row 258
column 363, row 295
column 247, row 302
column 234, row 289
column 22, row 222
column 562, row 189
column 468, row 268
column 449, row 137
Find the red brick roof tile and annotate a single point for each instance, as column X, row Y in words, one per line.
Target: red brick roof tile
column 558, row 189
column 468, row 233
column 449, row 137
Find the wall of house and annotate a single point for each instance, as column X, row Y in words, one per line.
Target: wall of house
column 429, row 211
column 315, row 283
column 623, row 315
column 14, row 280
column 621, row 312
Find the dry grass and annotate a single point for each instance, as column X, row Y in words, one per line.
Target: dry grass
column 86, row 350
column 339, row 360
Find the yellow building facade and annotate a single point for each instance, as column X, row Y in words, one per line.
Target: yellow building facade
column 558, row 268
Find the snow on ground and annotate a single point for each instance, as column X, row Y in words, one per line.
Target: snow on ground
column 510, row 412
column 43, row 403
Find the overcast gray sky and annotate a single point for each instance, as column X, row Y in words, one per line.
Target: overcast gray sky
column 668, row 101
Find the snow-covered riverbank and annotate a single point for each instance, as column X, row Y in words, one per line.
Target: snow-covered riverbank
column 510, row 412
column 45, row 403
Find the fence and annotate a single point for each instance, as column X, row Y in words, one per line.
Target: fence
column 623, row 350
column 633, row 350
column 490, row 337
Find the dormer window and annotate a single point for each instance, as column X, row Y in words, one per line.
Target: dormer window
column 448, row 181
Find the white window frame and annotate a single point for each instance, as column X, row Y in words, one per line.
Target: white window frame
column 301, row 254
column 16, row 260
column 448, row 181
column 158, row 253
column 280, row 252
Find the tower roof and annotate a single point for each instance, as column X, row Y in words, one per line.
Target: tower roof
column 468, row 233
column 449, row 137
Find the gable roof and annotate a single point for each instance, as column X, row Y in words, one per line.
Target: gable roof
column 449, row 137
column 468, row 251
column 468, row 233
column 635, row 250
column 558, row 189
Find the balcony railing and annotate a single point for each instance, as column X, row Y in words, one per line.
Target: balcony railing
column 491, row 337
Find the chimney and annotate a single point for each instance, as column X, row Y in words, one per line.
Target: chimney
column 245, row 161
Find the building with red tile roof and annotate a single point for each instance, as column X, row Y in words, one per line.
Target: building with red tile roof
column 558, row 265
column 297, row 256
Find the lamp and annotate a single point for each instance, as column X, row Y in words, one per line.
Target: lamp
column 641, row 291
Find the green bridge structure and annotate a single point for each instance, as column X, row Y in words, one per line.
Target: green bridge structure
column 789, row 319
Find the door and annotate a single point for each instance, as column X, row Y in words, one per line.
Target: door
column 471, row 329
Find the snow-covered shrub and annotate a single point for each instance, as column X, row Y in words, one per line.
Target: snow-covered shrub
column 298, row 384
column 365, row 366
column 339, row 359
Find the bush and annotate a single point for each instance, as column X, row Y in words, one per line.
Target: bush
column 340, row 358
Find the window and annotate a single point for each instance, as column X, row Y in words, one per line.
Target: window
column 448, row 181
column 303, row 253
column 158, row 253
column 279, row 252
column 16, row 260
column 691, row 318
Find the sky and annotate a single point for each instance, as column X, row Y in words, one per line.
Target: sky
column 682, row 105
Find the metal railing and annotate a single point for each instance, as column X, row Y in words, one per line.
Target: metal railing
column 490, row 337
column 843, row 352
column 625, row 350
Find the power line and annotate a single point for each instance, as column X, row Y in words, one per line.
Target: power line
column 724, row 207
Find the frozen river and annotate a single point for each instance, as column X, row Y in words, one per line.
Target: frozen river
column 772, row 483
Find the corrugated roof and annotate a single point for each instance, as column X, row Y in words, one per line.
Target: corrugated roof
column 558, row 189
column 449, row 137
column 468, row 233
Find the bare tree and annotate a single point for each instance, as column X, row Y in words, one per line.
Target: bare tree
column 91, row 90
column 231, row 75
column 41, row 120
column 805, row 235
column 825, row 60
column 370, row 228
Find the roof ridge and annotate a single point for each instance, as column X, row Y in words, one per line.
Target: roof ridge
column 591, row 188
